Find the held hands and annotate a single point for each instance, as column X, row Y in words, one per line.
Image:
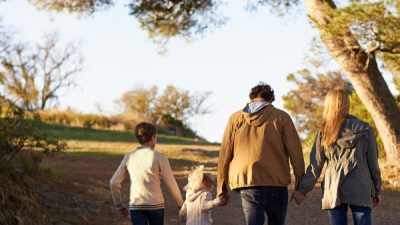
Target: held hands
column 217, row 202
column 298, row 197
column 124, row 212
column 224, row 199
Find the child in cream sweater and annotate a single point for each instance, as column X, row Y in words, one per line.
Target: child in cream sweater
column 146, row 168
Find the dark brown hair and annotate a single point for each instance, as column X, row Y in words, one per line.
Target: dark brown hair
column 262, row 90
column 144, row 132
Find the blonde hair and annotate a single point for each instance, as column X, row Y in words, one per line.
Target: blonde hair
column 197, row 177
column 336, row 109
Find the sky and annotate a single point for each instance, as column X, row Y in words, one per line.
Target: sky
column 228, row 61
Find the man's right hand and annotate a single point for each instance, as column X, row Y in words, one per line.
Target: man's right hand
column 298, row 197
column 124, row 212
column 224, row 197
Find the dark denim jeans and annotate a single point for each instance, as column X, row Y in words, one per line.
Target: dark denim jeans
column 147, row 217
column 361, row 215
column 260, row 200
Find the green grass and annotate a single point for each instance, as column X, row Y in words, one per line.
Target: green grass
column 84, row 134
column 96, row 154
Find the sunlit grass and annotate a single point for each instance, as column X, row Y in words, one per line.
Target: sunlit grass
column 96, row 135
column 175, row 151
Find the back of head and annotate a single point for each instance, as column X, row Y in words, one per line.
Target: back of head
column 262, row 90
column 209, row 179
column 336, row 109
column 197, row 178
column 144, row 132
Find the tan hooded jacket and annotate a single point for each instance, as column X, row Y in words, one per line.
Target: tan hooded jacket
column 256, row 149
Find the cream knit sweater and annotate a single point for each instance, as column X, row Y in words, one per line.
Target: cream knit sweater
column 196, row 209
column 146, row 169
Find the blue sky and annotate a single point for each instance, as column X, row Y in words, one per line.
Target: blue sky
column 228, row 61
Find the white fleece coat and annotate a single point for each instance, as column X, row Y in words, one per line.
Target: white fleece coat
column 197, row 207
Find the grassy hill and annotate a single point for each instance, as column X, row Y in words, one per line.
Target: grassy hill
column 96, row 135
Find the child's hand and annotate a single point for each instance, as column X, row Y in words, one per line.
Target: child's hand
column 224, row 198
column 124, row 212
column 217, row 202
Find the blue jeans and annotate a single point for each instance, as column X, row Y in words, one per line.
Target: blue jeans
column 258, row 201
column 361, row 215
column 147, row 217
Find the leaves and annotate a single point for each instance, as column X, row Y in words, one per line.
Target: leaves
column 177, row 17
column 18, row 134
column 305, row 102
column 81, row 7
column 173, row 103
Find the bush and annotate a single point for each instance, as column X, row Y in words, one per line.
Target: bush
column 18, row 134
column 72, row 118
column 174, row 126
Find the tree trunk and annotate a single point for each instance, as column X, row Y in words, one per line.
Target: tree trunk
column 363, row 72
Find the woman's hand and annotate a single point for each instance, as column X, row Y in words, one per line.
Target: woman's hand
column 376, row 201
column 298, row 197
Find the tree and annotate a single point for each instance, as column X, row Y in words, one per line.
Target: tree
column 177, row 17
column 32, row 76
column 355, row 34
column 162, row 19
column 86, row 7
column 360, row 66
column 141, row 101
column 306, row 101
column 173, row 103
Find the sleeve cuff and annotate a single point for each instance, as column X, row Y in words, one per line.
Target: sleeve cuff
column 119, row 206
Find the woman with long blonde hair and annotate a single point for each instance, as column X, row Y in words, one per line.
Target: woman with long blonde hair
column 348, row 147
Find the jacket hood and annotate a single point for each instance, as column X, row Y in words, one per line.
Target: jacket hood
column 351, row 132
column 256, row 113
column 192, row 196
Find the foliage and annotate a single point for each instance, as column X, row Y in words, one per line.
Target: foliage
column 85, row 7
column 376, row 26
column 140, row 100
column 168, row 18
column 161, row 19
column 305, row 102
column 77, row 119
column 33, row 75
column 148, row 104
column 18, row 134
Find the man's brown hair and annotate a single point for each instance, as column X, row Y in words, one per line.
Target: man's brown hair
column 144, row 131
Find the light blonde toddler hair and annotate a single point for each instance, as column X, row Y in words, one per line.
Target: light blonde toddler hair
column 197, row 177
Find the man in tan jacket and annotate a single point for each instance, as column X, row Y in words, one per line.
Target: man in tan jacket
column 254, row 158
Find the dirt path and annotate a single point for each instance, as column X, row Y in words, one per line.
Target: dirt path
column 78, row 193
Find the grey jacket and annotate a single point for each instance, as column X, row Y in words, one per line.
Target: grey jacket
column 352, row 175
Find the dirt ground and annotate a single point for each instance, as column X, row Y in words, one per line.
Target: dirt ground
column 78, row 193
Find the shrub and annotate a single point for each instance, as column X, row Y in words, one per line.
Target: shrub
column 18, row 134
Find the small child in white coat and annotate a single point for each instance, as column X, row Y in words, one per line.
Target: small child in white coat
column 196, row 209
